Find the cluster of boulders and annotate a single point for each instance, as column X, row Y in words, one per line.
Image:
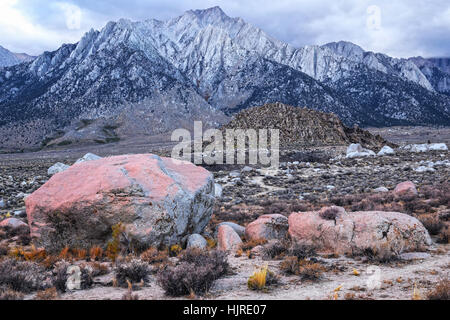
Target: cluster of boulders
column 357, row 151
column 334, row 230
column 162, row 201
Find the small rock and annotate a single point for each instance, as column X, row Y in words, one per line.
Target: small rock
column 247, row 169
column 405, row 187
column 414, row 256
column 13, row 223
column 381, row 190
column 257, row 251
column 240, row 230
column 422, row 169
column 196, row 241
column 2, row 203
column 57, row 168
column 357, row 151
column 20, row 213
column 218, row 190
column 88, row 157
column 235, row 174
column 228, row 239
column 386, row 150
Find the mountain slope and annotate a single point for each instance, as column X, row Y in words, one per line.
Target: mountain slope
column 8, row 58
column 437, row 71
column 151, row 77
column 102, row 77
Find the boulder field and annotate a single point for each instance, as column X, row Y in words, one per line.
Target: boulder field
column 158, row 201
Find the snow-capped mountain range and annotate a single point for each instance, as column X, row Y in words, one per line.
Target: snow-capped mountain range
column 149, row 77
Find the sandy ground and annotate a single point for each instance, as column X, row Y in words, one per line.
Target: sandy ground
column 392, row 281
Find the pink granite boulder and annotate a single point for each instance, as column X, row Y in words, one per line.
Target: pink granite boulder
column 374, row 232
column 405, row 188
column 228, row 239
column 158, row 201
column 267, row 227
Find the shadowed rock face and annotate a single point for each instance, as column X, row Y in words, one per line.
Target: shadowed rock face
column 158, row 200
column 382, row 233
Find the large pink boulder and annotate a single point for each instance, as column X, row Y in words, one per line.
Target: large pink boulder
column 376, row 232
column 405, row 188
column 158, row 201
column 227, row 238
column 267, row 227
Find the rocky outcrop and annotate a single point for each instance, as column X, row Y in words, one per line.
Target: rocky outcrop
column 157, row 200
column 302, row 126
column 383, row 234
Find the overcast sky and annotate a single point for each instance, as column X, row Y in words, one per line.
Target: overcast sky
column 400, row 28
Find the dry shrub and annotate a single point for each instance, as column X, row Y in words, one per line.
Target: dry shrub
column 290, row 266
column 441, row 291
column 8, row 294
column 113, row 246
column 261, row 279
column 306, row 269
column 47, row 294
column 3, row 250
column 134, row 271
column 212, row 243
column 382, row 254
column 79, row 254
column 329, row 213
column 22, row 233
column 96, row 253
column 444, row 235
column 98, row 269
column 22, row 276
column 431, row 222
column 248, row 245
column 277, row 249
column 195, row 273
column 310, row 271
column 155, row 257
column 65, row 254
column 175, row 250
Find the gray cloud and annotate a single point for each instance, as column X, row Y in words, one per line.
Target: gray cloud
column 399, row 28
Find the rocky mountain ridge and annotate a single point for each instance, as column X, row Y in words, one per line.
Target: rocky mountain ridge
column 150, row 77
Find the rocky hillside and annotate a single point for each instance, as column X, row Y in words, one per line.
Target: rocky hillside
column 302, row 126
